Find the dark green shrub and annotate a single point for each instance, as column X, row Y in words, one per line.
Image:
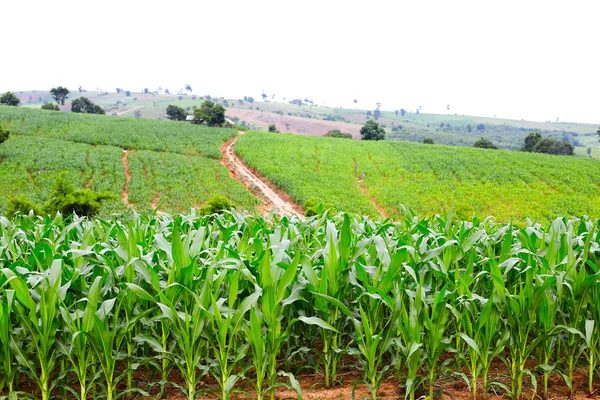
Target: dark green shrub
column 3, row 135
column 51, row 107
column 216, row 205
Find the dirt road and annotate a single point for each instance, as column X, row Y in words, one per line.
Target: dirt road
column 267, row 193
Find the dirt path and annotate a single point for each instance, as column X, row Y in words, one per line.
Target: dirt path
column 119, row 113
column 267, row 193
column 366, row 192
column 127, row 179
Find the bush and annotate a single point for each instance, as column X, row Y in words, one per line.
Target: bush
column 21, row 205
column 50, row 107
column 64, row 199
column 176, row 113
column 216, row 205
column 85, row 105
column 484, row 143
column 314, row 206
column 428, row 140
column 273, row 128
column 336, row 133
column 9, row 99
column 3, row 135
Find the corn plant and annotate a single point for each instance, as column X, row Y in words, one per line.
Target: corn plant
column 7, row 341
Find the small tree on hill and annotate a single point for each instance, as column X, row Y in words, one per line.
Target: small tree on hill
column 531, row 140
column 273, row 128
column 60, row 94
column 137, row 114
column 372, row 131
column 127, row 93
column 376, row 113
column 9, row 99
column 213, row 114
column 50, row 107
column 84, row 105
column 428, row 140
column 176, row 113
column 484, row 143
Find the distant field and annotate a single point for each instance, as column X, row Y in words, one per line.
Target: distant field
column 430, row 179
column 173, row 165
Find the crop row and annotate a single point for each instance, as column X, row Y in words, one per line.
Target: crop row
column 127, row 133
column 430, row 179
column 100, row 308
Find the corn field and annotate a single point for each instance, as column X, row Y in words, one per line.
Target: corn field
column 236, row 305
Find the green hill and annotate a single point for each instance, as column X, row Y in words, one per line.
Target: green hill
column 358, row 176
column 173, row 165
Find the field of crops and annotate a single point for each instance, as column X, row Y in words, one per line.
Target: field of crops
column 215, row 305
column 174, row 166
column 430, row 179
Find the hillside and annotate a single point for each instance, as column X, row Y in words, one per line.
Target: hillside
column 309, row 119
column 172, row 166
column 368, row 177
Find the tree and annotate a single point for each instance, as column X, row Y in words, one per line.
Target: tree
column 484, row 143
column 127, row 93
column 51, row 107
column 376, row 113
column 9, row 99
column 369, row 114
column 3, row 135
column 598, row 131
column 355, row 101
column 531, row 140
column 213, row 114
column 589, row 151
column 553, row 146
column 137, row 114
column 167, row 91
column 145, row 90
column 372, row 131
column 481, row 127
column 84, row 105
column 336, row 133
column 264, row 96
column 403, row 112
column 188, row 87
column 60, row 94
column 176, row 113
column 469, row 129
column 273, row 128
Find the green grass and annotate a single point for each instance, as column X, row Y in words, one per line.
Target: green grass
column 430, row 179
column 172, row 164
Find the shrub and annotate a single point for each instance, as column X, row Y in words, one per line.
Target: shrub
column 428, row 140
column 484, row 143
column 50, row 107
column 336, row 133
column 216, row 205
column 22, row 205
column 314, row 206
column 64, row 199
column 3, row 135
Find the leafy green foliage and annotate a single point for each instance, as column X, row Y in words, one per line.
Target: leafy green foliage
column 553, row 146
column 314, row 207
column 234, row 296
column 336, row 133
column 428, row 179
column 50, row 107
column 9, row 99
column 484, row 143
column 59, row 94
column 273, row 128
column 176, row 113
column 22, row 205
column 372, row 131
column 428, row 140
column 215, row 205
column 531, row 140
column 213, row 114
column 85, row 105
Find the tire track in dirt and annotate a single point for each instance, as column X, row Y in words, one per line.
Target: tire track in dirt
column 127, row 179
column 259, row 186
column 366, row 192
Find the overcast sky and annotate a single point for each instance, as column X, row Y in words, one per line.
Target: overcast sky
column 528, row 59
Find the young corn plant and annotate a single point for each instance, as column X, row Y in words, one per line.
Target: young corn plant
column 254, row 333
column 39, row 319
column 7, row 359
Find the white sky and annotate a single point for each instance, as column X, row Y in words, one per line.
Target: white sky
column 526, row 59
